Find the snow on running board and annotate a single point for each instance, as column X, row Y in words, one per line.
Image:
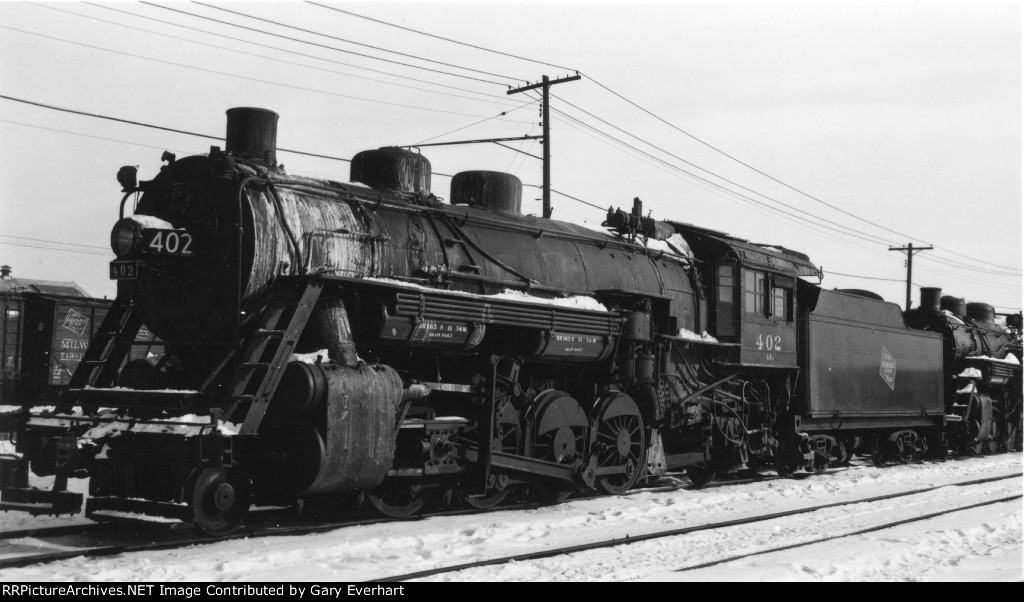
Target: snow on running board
column 576, row 302
column 704, row 337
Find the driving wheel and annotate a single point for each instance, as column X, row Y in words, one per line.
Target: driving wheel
column 560, row 437
column 619, row 442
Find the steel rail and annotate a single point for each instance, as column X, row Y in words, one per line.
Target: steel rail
column 681, row 531
column 888, row 525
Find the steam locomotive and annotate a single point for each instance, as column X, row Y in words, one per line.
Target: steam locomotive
column 367, row 340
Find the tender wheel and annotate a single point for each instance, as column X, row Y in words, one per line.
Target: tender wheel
column 1013, row 436
column 398, row 498
column 879, row 453
column 619, row 442
column 220, row 500
column 700, row 474
column 788, row 459
column 843, row 455
column 560, row 436
column 903, row 449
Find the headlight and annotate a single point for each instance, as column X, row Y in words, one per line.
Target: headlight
column 125, row 237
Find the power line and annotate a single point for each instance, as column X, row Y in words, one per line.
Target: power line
column 56, row 242
column 48, row 248
column 108, row 118
column 369, row 56
column 569, row 196
column 734, row 183
column 243, row 77
column 58, row 130
column 285, row 50
column 707, row 144
column 695, row 138
column 173, row 130
column 423, row 33
column 490, row 99
column 324, row 35
column 824, row 271
column 942, row 261
column 472, row 124
column 751, row 167
column 715, row 184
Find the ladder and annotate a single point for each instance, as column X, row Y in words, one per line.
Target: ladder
column 267, row 351
column 108, row 348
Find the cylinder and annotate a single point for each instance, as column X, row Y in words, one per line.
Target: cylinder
column 492, row 190
column 954, row 305
column 931, row 299
column 981, row 312
column 345, row 443
column 303, row 389
column 392, row 169
column 252, row 132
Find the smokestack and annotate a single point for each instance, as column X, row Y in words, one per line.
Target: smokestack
column 931, row 299
column 5, row 272
column 252, row 132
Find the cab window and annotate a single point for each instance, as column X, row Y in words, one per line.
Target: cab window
column 753, row 292
column 782, row 298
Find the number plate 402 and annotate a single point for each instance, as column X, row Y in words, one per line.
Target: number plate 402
column 166, row 242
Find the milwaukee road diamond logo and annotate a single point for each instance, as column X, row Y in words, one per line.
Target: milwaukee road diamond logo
column 76, row 322
column 888, row 369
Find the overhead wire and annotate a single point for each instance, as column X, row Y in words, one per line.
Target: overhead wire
column 58, row 130
column 243, row 77
column 723, row 178
column 927, row 259
column 468, row 45
column 287, row 51
column 336, row 38
column 53, row 248
column 733, row 196
column 943, row 261
column 310, row 43
column 793, row 188
column 490, row 97
column 471, row 125
column 56, row 242
column 715, row 184
column 673, row 126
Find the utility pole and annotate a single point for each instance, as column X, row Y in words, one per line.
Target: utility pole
column 544, row 85
column 910, row 250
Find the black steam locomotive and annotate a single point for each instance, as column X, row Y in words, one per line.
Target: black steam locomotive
column 323, row 338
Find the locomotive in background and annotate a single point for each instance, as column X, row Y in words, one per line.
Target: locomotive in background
column 324, row 338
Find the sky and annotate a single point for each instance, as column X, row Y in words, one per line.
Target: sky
column 838, row 130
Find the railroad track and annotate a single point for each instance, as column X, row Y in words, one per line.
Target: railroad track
column 126, row 536
column 552, row 552
column 180, row 535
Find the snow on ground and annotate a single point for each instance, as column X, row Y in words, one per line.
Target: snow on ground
column 981, row 544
